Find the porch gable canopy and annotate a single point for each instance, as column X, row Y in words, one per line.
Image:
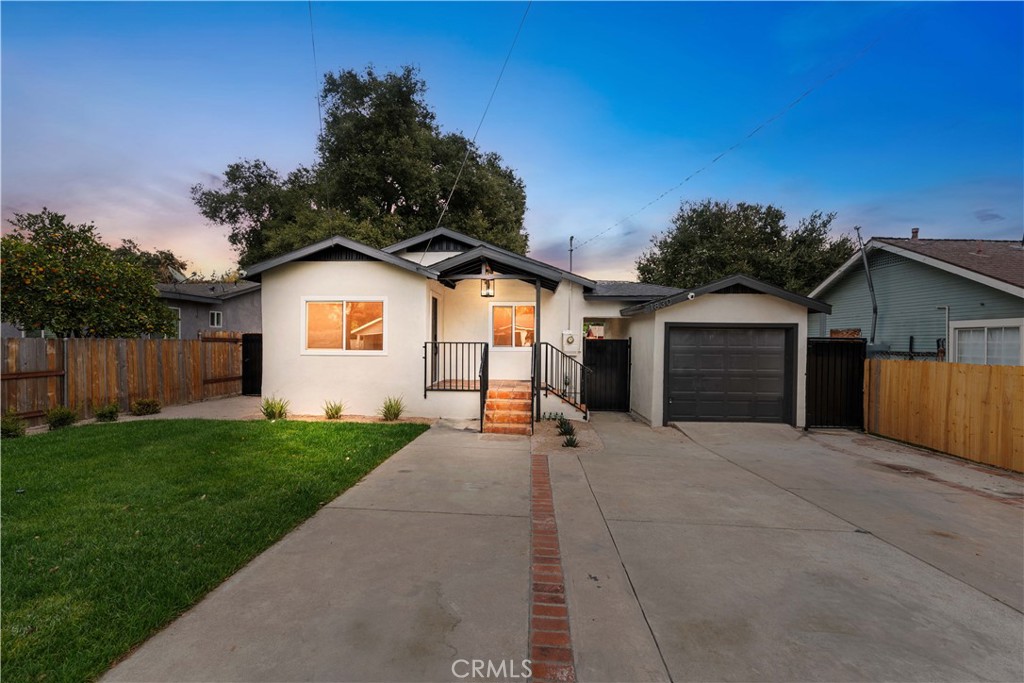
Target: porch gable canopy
column 336, row 248
column 503, row 263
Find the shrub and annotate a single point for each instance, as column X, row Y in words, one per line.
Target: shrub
column 274, row 408
column 570, row 441
column 565, row 427
column 60, row 417
column 333, row 409
column 107, row 413
column 392, row 409
column 11, row 426
column 146, row 406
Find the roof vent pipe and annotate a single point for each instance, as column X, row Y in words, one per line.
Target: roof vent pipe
column 914, row 232
column 871, row 286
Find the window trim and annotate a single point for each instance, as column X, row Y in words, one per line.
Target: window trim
column 957, row 325
column 490, row 325
column 220, row 318
column 177, row 310
column 341, row 299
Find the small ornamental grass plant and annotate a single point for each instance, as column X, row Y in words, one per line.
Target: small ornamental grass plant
column 333, row 410
column 274, row 408
column 392, row 408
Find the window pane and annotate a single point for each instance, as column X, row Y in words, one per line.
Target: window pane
column 524, row 326
column 502, row 324
column 323, row 325
column 970, row 345
column 1004, row 346
column 364, row 325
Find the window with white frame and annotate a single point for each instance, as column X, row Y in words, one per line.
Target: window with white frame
column 512, row 326
column 991, row 342
column 216, row 319
column 344, row 326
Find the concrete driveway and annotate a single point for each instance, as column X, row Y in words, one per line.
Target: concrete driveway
column 708, row 553
column 750, row 552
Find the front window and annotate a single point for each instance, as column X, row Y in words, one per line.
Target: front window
column 512, row 326
column 988, row 345
column 345, row 325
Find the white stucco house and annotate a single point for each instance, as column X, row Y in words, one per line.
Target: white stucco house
column 461, row 328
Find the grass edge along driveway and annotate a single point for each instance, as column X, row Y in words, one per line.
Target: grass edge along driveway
column 109, row 532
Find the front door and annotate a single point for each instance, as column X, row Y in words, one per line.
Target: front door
column 433, row 338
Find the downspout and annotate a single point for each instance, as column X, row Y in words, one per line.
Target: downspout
column 871, row 288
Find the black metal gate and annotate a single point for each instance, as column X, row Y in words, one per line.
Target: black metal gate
column 835, row 382
column 608, row 383
column 252, row 364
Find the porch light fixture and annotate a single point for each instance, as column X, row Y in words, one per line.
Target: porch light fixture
column 486, row 284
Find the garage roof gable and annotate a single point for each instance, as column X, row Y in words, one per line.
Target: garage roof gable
column 734, row 284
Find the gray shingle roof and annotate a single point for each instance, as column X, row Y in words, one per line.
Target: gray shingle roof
column 630, row 291
column 209, row 290
column 999, row 259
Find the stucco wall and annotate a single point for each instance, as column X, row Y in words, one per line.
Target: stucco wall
column 242, row 313
column 648, row 334
column 361, row 381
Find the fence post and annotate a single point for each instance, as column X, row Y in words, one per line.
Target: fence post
column 64, row 382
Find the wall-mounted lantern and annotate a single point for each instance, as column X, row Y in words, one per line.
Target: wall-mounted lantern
column 486, row 283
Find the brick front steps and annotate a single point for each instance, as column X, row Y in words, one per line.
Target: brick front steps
column 508, row 408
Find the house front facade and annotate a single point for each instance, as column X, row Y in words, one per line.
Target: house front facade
column 956, row 300
column 461, row 328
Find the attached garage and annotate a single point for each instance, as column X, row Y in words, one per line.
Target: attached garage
column 729, row 373
column 731, row 351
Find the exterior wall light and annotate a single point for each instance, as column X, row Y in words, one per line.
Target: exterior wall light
column 486, row 284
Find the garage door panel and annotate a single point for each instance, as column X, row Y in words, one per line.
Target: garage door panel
column 728, row 374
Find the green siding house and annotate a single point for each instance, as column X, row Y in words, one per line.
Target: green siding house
column 956, row 300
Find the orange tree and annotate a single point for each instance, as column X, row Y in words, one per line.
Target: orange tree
column 60, row 277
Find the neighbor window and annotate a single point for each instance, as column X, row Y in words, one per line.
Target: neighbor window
column 512, row 326
column 988, row 345
column 345, row 325
column 216, row 319
column 177, row 321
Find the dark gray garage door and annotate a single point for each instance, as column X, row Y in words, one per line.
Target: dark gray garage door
column 728, row 374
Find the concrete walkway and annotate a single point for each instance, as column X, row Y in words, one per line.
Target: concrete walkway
column 707, row 553
column 756, row 552
column 423, row 562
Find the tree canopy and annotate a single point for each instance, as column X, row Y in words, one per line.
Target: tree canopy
column 383, row 173
column 163, row 263
column 60, row 277
column 710, row 240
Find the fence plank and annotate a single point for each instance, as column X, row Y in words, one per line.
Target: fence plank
column 971, row 411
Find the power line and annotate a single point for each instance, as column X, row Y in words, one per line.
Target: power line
column 764, row 124
column 469, row 147
column 316, row 70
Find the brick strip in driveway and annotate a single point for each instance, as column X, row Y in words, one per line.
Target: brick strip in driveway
column 550, row 640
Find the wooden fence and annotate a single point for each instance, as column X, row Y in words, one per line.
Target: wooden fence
column 85, row 374
column 971, row 411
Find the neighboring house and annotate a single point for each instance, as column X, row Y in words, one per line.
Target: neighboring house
column 438, row 317
column 213, row 306
column 956, row 300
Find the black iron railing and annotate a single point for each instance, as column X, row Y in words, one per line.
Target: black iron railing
column 561, row 375
column 457, row 366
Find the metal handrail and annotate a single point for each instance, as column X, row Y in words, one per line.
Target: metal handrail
column 563, row 375
column 452, row 366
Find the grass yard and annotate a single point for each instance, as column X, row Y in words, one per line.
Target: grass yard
column 111, row 531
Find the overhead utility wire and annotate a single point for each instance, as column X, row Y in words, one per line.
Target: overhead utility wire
column 752, row 133
column 316, row 70
column 469, row 147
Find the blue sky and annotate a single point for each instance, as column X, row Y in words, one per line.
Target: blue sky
column 110, row 112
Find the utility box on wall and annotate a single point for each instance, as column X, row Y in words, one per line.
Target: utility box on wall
column 571, row 343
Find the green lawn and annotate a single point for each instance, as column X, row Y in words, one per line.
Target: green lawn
column 111, row 531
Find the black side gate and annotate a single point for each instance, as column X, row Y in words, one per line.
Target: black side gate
column 608, row 383
column 835, row 382
column 252, row 364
